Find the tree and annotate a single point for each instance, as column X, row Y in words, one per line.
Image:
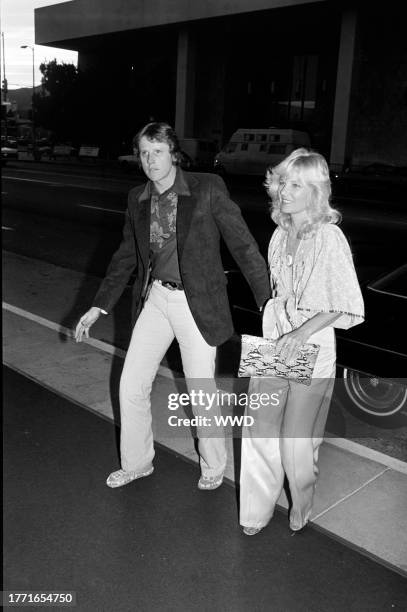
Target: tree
column 58, row 104
column 75, row 107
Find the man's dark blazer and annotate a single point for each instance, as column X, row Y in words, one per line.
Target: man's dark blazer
column 202, row 217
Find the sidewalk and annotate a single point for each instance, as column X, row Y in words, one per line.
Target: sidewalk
column 359, row 500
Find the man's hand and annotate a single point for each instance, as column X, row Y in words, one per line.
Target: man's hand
column 85, row 322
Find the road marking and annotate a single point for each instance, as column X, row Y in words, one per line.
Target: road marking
column 342, row 443
column 15, row 178
column 119, row 212
column 113, row 178
column 10, row 229
column 53, row 184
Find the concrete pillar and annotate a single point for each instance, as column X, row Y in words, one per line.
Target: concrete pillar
column 340, row 128
column 185, row 92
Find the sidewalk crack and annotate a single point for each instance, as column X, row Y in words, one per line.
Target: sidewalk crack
column 351, row 494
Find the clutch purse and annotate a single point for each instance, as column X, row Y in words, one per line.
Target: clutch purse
column 259, row 358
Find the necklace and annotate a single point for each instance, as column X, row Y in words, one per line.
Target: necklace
column 291, row 248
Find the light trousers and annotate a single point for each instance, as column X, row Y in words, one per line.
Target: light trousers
column 285, row 439
column 165, row 316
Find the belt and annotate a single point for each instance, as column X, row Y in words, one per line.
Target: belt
column 171, row 285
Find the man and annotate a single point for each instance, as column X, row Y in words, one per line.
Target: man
column 171, row 238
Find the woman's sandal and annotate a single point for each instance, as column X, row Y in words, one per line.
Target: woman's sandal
column 250, row 531
column 298, row 531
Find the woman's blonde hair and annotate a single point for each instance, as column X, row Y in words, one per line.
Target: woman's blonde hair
column 312, row 170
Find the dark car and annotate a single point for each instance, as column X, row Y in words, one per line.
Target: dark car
column 371, row 357
column 65, row 151
column 376, row 182
column 44, row 147
column 8, row 151
column 379, row 169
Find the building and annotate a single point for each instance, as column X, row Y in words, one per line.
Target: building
column 337, row 69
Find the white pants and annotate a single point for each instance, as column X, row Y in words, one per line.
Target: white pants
column 285, row 439
column 165, row 316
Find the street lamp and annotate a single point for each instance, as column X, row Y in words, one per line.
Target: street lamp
column 32, row 98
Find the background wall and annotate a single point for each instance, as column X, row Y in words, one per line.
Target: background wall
column 379, row 101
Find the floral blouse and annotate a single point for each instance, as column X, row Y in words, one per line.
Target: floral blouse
column 322, row 278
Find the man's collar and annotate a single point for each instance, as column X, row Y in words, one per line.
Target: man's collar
column 145, row 194
column 180, row 186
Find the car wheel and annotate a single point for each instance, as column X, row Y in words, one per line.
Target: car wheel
column 373, row 395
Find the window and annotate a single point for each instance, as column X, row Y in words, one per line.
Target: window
column 248, row 137
column 296, row 99
column 277, row 149
column 244, row 146
column 303, row 87
column 231, row 147
column 275, row 137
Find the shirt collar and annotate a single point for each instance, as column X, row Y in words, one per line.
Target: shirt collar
column 180, row 186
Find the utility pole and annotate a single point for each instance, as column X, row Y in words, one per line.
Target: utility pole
column 32, row 99
column 5, row 88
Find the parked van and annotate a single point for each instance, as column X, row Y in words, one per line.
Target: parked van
column 199, row 153
column 252, row 151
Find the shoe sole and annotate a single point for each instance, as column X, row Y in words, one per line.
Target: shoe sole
column 114, row 485
column 210, row 487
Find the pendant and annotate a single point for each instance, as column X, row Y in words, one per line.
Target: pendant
column 289, row 259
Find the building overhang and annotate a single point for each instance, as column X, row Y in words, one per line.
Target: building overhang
column 64, row 25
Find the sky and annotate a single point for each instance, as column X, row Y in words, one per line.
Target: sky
column 17, row 24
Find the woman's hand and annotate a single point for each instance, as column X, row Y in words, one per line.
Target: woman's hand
column 289, row 344
column 85, row 322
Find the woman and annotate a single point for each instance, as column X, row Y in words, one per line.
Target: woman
column 315, row 289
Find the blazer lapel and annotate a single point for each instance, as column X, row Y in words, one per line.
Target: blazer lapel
column 185, row 211
column 142, row 229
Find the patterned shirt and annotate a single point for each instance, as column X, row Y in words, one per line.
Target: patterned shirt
column 163, row 222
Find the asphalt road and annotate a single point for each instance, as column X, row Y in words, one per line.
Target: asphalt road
column 72, row 216
column 95, row 197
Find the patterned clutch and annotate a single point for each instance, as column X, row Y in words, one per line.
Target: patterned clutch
column 259, row 358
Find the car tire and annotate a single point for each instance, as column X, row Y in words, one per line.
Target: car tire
column 373, row 395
